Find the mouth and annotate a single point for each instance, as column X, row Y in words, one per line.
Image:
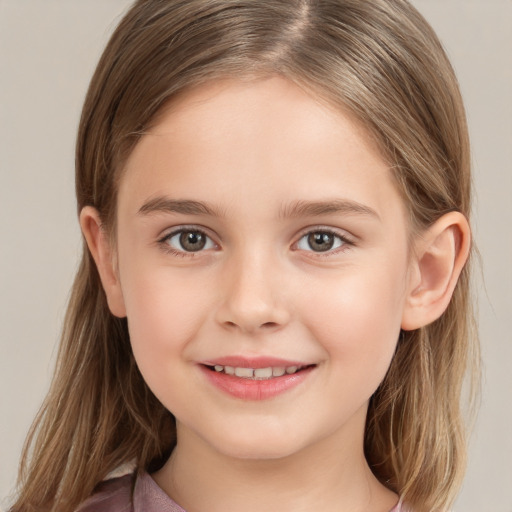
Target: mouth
column 253, row 380
column 270, row 372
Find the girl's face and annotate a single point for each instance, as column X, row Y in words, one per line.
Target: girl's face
column 260, row 233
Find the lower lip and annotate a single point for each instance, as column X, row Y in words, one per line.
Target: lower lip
column 249, row 389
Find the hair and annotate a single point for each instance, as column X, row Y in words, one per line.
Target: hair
column 380, row 61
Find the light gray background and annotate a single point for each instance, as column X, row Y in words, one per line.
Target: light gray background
column 48, row 50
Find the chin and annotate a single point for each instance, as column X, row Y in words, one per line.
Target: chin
column 261, row 445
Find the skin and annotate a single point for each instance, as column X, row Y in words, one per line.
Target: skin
column 252, row 151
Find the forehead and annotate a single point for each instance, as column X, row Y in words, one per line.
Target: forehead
column 264, row 137
column 273, row 97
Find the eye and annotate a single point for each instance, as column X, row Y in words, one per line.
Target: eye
column 188, row 240
column 321, row 241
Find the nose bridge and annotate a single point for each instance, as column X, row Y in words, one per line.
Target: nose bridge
column 252, row 297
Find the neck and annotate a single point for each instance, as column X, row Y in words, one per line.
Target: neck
column 330, row 475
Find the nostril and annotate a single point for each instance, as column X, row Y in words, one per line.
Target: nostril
column 266, row 326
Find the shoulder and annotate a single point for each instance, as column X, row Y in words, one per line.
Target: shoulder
column 129, row 493
column 114, row 495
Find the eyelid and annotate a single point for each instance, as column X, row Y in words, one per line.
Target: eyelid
column 171, row 232
column 347, row 238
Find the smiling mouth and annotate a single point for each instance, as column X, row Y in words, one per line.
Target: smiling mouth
column 257, row 378
column 268, row 373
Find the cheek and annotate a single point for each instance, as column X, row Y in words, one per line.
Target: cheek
column 356, row 319
column 164, row 314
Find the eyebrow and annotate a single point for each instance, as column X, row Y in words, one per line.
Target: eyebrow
column 334, row 206
column 163, row 204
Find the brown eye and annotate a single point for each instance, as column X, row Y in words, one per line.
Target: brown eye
column 189, row 241
column 192, row 241
column 321, row 242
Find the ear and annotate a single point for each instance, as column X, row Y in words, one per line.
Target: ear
column 104, row 256
column 440, row 254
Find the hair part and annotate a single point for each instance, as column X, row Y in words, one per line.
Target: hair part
column 380, row 61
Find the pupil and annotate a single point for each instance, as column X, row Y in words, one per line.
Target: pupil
column 321, row 242
column 192, row 241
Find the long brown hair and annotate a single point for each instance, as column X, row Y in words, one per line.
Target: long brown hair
column 379, row 60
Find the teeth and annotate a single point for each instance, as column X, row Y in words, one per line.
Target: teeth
column 257, row 373
column 244, row 372
column 277, row 372
column 263, row 373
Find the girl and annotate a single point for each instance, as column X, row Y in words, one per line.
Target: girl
column 272, row 309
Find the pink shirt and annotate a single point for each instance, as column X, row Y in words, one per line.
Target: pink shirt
column 116, row 496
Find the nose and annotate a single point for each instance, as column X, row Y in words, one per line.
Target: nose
column 253, row 296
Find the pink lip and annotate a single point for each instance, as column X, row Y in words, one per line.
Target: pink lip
column 248, row 389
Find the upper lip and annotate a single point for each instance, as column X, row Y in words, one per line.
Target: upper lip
column 253, row 362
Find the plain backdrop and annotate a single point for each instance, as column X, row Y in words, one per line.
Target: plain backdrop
column 48, row 50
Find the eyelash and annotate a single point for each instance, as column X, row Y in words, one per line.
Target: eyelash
column 345, row 242
column 164, row 241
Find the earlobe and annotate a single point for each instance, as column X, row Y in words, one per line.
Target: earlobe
column 441, row 253
column 102, row 252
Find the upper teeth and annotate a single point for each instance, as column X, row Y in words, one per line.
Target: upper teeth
column 256, row 373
